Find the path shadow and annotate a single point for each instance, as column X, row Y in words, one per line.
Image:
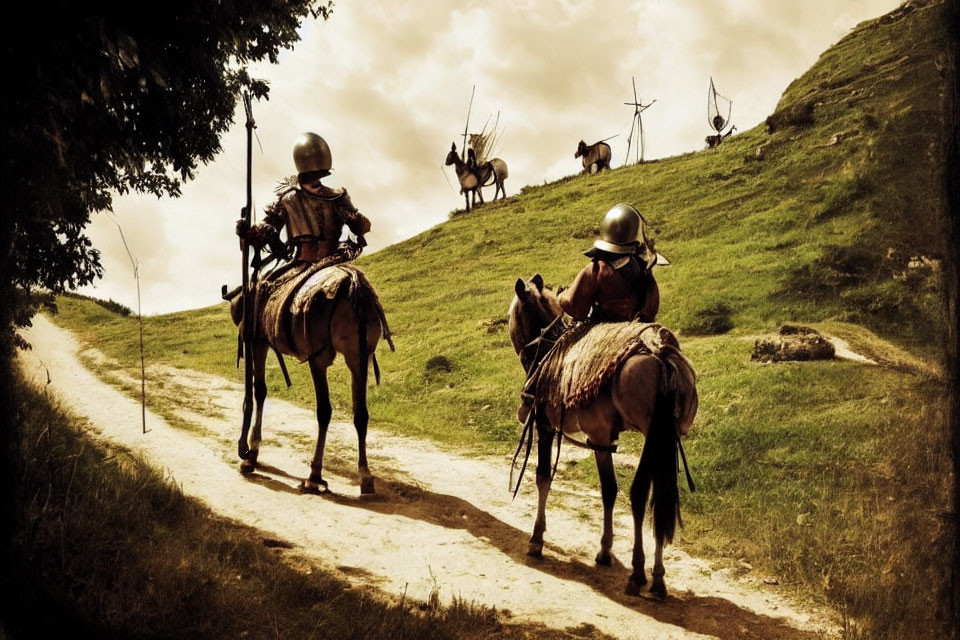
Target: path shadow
column 710, row 616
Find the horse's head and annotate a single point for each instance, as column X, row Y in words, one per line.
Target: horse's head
column 452, row 157
column 533, row 308
column 581, row 149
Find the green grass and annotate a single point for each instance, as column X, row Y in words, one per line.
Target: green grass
column 831, row 475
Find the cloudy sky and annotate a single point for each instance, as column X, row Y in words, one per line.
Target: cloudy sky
column 389, row 90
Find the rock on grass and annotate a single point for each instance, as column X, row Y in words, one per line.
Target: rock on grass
column 794, row 343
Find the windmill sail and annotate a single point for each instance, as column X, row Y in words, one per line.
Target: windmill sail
column 484, row 143
column 716, row 105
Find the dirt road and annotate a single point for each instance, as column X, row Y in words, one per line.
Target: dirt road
column 439, row 521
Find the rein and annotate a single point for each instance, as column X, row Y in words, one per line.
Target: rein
column 532, row 367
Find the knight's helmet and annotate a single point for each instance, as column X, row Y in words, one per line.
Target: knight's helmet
column 623, row 231
column 311, row 154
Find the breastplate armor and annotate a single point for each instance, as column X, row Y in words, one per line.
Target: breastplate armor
column 311, row 217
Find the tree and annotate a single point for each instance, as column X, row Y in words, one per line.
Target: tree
column 103, row 98
column 113, row 99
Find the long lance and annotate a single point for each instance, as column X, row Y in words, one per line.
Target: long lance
column 463, row 149
column 248, row 298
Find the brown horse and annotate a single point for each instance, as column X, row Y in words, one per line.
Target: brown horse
column 653, row 394
column 473, row 177
column 342, row 315
column 596, row 157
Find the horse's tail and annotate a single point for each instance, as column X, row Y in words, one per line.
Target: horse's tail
column 658, row 466
column 675, row 407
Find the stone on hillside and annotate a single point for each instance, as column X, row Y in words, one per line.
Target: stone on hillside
column 794, row 343
column 797, row 114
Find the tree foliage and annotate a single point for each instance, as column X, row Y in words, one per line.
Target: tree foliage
column 103, row 98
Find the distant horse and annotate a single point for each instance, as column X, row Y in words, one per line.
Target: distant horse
column 473, row 177
column 653, row 394
column 596, row 157
column 337, row 311
column 715, row 141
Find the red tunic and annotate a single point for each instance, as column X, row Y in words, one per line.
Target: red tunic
column 600, row 286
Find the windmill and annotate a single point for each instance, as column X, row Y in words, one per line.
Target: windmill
column 636, row 123
column 715, row 107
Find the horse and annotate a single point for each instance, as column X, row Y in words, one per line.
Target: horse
column 596, row 157
column 338, row 313
column 473, row 176
column 715, row 141
column 653, row 394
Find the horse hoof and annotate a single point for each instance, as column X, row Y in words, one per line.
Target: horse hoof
column 659, row 589
column 366, row 486
column 315, row 487
column 535, row 550
column 604, row 559
column 243, row 450
column 635, row 584
column 248, row 466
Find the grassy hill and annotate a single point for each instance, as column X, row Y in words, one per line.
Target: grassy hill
column 831, row 214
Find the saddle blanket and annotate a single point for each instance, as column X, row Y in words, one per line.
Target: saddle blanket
column 286, row 303
column 585, row 359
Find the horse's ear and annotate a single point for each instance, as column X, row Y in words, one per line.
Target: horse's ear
column 537, row 281
column 520, row 287
column 453, row 146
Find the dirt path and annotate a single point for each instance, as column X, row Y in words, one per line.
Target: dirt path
column 438, row 522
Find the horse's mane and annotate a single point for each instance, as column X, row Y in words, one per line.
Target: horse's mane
column 532, row 307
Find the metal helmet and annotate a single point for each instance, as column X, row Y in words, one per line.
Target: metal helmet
column 311, row 153
column 620, row 230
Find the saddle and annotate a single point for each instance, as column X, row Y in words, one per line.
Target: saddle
column 582, row 363
column 288, row 306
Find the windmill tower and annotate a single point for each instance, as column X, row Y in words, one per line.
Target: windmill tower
column 636, row 125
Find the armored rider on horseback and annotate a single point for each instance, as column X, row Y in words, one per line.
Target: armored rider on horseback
column 617, row 285
column 313, row 214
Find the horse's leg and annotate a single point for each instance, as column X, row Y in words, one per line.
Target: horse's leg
column 659, row 587
column 639, row 491
column 361, row 415
column 318, row 371
column 260, row 348
column 544, row 448
column 608, row 489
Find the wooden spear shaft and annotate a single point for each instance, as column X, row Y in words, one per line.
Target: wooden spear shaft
column 248, row 310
